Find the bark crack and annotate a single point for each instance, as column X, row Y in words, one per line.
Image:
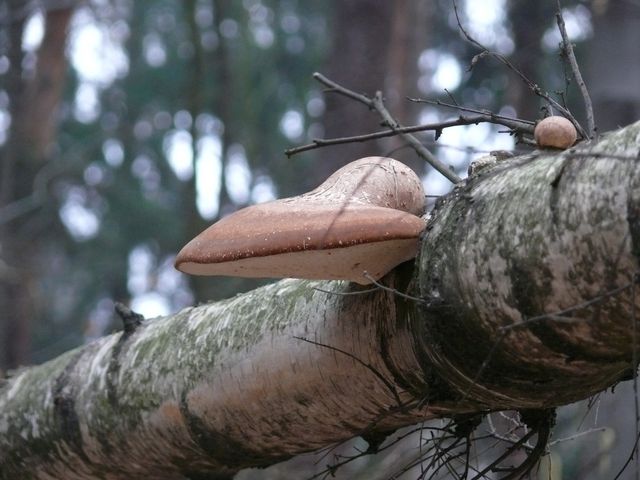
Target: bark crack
column 555, row 195
column 131, row 321
column 64, row 402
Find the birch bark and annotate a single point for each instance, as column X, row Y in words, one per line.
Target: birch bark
column 297, row 365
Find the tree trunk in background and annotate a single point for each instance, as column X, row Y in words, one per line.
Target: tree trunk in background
column 9, row 276
column 213, row 288
column 410, row 35
column 614, row 70
column 195, row 223
column 223, row 104
column 375, row 47
column 34, row 98
column 14, row 87
column 361, row 38
column 39, row 121
column 612, row 74
column 529, row 21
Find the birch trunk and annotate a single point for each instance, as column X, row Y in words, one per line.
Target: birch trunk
column 525, row 299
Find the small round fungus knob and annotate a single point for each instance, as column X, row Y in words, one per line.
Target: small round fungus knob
column 555, row 132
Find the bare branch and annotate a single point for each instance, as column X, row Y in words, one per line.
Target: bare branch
column 319, row 142
column 535, row 88
column 481, row 117
column 577, row 435
column 392, row 290
column 516, row 124
column 348, row 459
column 339, row 89
column 377, row 104
column 567, row 50
column 344, row 294
column 543, row 429
column 413, row 141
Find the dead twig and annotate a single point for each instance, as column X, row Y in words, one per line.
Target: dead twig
column 480, row 117
column 344, row 460
column 542, row 428
column 577, row 435
column 535, row 88
column 420, row 149
column 377, row 104
column 392, row 290
column 346, row 294
column 560, row 314
column 568, row 53
column 387, row 383
column 518, row 126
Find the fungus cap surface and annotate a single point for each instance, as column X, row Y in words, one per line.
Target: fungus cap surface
column 361, row 219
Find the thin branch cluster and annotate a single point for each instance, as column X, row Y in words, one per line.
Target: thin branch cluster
column 522, row 129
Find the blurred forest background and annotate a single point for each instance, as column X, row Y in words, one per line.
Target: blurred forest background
column 126, row 127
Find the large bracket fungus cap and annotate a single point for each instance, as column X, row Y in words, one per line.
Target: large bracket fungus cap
column 363, row 218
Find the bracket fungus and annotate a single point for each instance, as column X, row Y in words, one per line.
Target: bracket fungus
column 555, row 132
column 358, row 225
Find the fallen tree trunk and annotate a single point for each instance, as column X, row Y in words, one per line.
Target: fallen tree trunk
column 524, row 299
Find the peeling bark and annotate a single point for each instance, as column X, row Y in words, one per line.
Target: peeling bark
column 295, row 366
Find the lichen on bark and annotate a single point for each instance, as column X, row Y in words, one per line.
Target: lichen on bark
column 533, row 236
